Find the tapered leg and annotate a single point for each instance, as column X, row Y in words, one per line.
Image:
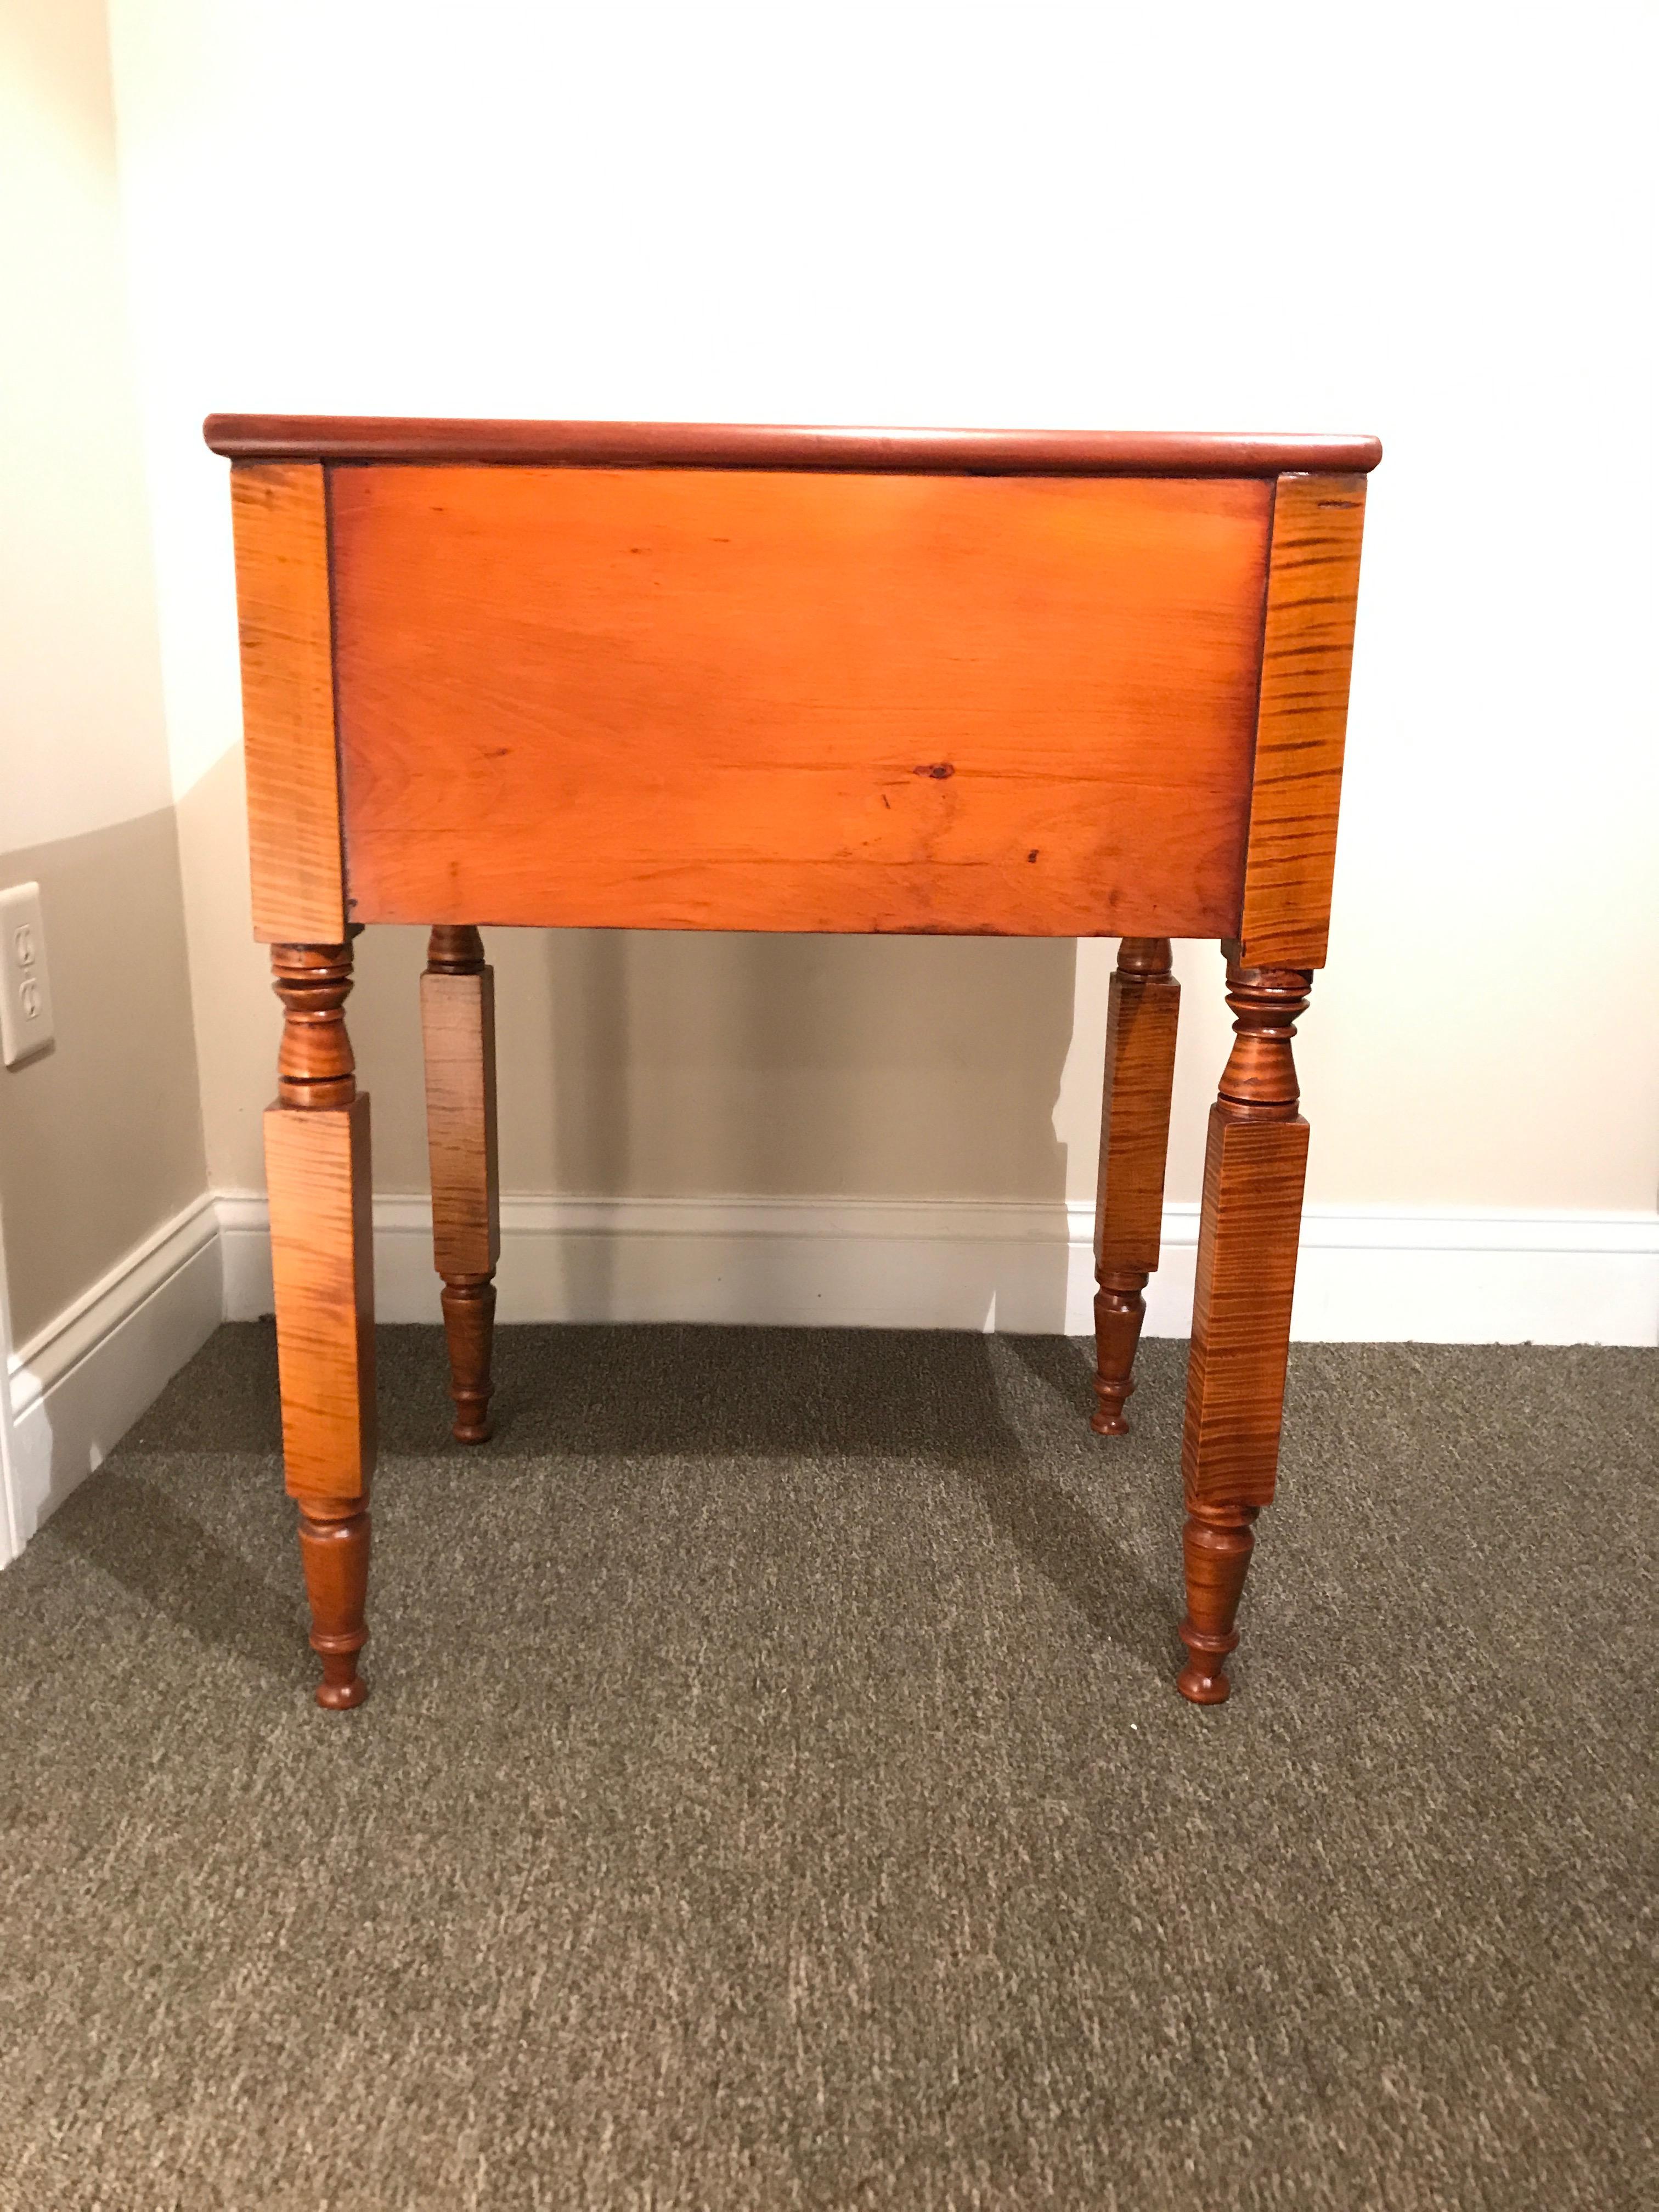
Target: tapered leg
column 457, row 1023
column 1134, row 1139
column 317, row 1162
column 1254, row 1170
column 334, row 1551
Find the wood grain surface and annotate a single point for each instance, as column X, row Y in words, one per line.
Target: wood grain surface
column 1249, row 1228
column 279, row 517
column 316, row 1164
column 1313, row 589
column 783, row 446
column 694, row 699
column 1143, row 1013
column 1253, row 1173
column 457, row 1031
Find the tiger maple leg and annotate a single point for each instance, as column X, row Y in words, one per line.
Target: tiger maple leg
column 1134, row 1139
column 317, row 1162
column 1255, row 1166
column 458, row 1026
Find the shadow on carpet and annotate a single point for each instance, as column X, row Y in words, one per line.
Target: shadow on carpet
column 772, row 1793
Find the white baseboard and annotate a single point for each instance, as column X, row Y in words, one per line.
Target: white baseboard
column 77, row 1384
column 1365, row 1276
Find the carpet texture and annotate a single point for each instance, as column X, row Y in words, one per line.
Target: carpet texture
column 773, row 1795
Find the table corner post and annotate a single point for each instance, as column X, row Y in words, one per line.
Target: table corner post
column 318, row 1168
column 1141, row 1022
column 458, row 1029
column 1255, row 1169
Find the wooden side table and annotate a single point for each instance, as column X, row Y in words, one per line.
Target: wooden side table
column 661, row 677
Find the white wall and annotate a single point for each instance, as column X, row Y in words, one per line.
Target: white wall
column 1431, row 221
column 85, row 745
column 100, row 1139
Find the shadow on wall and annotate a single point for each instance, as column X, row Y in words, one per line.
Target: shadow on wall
column 831, row 1067
column 879, row 1072
column 845, row 1068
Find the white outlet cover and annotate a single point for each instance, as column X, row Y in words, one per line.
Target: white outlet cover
column 25, row 1023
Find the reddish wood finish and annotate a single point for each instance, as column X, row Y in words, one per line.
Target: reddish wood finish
column 458, row 1022
column 1134, row 1139
column 314, row 1062
column 317, row 1167
column 715, row 676
column 1302, row 721
column 279, row 515
column 796, row 703
column 1253, row 1172
column 1216, row 1546
column 334, row 1552
column 347, row 438
column 469, row 1309
column 317, row 1162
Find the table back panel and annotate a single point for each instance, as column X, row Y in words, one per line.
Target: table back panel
column 722, row 699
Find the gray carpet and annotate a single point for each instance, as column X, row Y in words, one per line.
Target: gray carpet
column 773, row 1795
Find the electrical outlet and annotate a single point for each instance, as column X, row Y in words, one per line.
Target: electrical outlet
column 25, row 993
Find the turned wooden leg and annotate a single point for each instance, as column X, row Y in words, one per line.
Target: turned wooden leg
column 1134, row 1139
column 1254, row 1169
column 317, row 1164
column 457, row 1023
column 334, row 1549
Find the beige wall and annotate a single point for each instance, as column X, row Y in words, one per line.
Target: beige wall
column 653, row 212
column 100, row 1140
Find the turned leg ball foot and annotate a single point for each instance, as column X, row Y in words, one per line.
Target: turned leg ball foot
column 342, row 1697
column 334, row 1552
column 1217, row 1544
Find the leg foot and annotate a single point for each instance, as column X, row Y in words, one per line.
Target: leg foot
column 469, row 1303
column 334, row 1552
column 1119, row 1311
column 1217, row 1547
